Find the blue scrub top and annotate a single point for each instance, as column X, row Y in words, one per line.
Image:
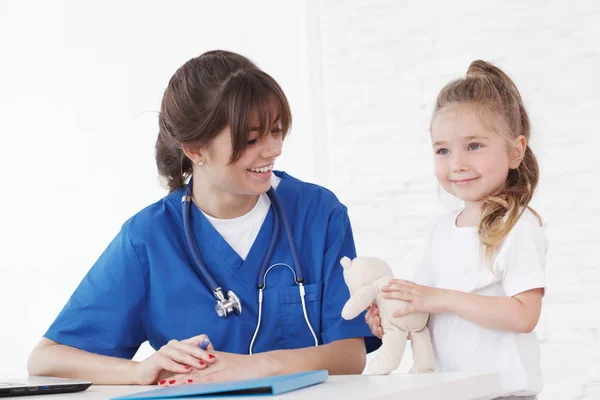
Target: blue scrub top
column 146, row 287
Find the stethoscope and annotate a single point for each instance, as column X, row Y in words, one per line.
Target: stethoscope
column 231, row 304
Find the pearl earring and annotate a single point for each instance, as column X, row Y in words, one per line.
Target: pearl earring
column 200, row 163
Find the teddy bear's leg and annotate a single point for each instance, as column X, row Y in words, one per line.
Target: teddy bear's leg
column 390, row 353
column 422, row 352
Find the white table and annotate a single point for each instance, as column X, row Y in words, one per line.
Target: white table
column 436, row 386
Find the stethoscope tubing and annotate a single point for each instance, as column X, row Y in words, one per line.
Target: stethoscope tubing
column 278, row 215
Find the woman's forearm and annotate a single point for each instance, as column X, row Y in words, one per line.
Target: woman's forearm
column 49, row 358
column 342, row 357
column 497, row 312
column 52, row 359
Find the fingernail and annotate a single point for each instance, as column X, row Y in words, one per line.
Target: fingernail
column 162, row 382
column 210, row 356
column 172, row 381
column 201, row 363
column 187, row 367
column 190, row 380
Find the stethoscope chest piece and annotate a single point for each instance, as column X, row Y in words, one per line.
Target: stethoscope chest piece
column 224, row 306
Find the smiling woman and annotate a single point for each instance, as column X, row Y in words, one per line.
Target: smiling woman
column 221, row 128
column 215, row 108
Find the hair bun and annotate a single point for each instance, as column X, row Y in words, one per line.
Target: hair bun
column 480, row 68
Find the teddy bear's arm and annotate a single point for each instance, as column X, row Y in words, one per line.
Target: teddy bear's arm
column 359, row 301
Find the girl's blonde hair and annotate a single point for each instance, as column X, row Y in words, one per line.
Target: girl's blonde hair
column 491, row 92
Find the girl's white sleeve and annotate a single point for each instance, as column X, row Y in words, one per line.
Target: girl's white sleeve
column 522, row 259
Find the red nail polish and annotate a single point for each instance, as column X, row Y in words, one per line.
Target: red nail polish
column 210, row 356
column 187, row 367
column 162, row 382
column 190, row 380
column 172, row 381
column 201, row 363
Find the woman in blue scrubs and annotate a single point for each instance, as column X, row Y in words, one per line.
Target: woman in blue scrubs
column 222, row 122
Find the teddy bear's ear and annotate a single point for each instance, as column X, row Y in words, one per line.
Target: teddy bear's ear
column 346, row 262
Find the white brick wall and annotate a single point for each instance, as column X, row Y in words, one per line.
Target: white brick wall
column 383, row 63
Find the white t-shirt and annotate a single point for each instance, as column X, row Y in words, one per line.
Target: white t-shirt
column 241, row 232
column 452, row 261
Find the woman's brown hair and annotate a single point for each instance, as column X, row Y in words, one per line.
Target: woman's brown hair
column 215, row 90
column 492, row 93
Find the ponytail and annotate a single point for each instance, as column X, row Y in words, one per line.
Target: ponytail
column 172, row 164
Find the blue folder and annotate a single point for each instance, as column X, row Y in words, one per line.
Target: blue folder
column 261, row 386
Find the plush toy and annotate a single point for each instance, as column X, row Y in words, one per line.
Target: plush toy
column 365, row 276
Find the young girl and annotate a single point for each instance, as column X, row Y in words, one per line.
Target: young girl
column 482, row 278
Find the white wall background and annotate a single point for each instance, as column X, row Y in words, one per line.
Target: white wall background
column 383, row 63
column 80, row 86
